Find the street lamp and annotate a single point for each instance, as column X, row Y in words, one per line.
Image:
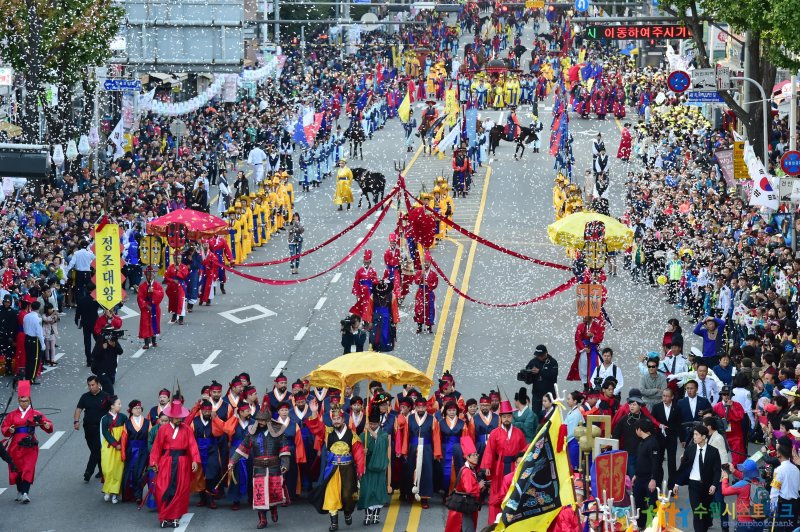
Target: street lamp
column 72, row 151
column 58, row 155
column 83, row 146
column 94, row 138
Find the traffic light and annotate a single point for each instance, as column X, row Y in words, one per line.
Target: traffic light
column 504, row 9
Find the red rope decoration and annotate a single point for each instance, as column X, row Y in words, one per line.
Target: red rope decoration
column 285, row 282
column 555, row 291
column 335, row 237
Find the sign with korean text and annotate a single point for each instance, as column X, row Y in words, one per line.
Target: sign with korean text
column 739, row 168
column 151, row 250
column 790, row 163
column 652, row 31
column 704, row 79
column 725, row 161
column 108, row 267
column 534, row 4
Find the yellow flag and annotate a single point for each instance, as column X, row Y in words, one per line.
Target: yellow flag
column 451, row 107
column 404, row 109
column 108, row 292
column 542, row 482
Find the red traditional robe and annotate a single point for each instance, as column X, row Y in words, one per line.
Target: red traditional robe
column 150, row 308
column 499, row 458
column 624, row 151
column 175, row 278
column 19, row 351
column 365, row 279
column 425, row 300
column 467, row 483
column 173, row 446
column 594, row 335
column 24, row 457
column 734, row 435
column 400, row 282
column 210, row 271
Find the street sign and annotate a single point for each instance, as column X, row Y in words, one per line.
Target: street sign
column 652, row 31
column 723, row 78
column 678, row 81
column 534, row 4
column 118, row 85
column 788, row 187
column 178, row 128
column 790, row 163
column 739, row 168
column 704, row 79
column 705, row 97
column 581, row 5
column 6, row 76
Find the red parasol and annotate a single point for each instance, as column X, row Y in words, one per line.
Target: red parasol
column 198, row 224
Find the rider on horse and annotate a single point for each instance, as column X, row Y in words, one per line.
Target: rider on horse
column 512, row 128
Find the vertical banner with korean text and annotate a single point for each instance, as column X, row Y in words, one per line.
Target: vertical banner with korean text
column 108, row 267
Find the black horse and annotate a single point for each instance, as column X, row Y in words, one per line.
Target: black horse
column 371, row 183
column 525, row 137
column 355, row 133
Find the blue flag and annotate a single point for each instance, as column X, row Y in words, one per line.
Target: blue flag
column 362, row 101
column 472, row 125
column 299, row 134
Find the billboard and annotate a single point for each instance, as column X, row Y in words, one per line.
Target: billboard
column 182, row 35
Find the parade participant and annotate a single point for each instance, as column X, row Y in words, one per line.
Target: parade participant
column 484, row 422
column 366, row 277
column 421, row 446
column 344, row 192
column 385, row 317
column 278, row 394
column 409, row 127
column 90, row 404
column 134, row 453
column 376, row 483
column 690, row 408
column 461, row 172
column 647, row 468
column 296, row 446
column 451, row 429
column 357, row 420
column 210, row 270
column 624, row 151
column 784, row 494
column 175, row 279
column 298, row 414
column 447, row 392
column 588, row 337
column 342, row 463
column 163, row 402
column 732, row 414
column 505, row 443
column 218, row 405
column 524, row 418
column 173, row 457
column 210, row 445
column 393, row 272
column 425, row 299
column 232, row 397
column 466, row 485
column 236, row 428
column 112, row 426
column 265, row 445
column 19, row 426
column 149, row 297
column 193, row 262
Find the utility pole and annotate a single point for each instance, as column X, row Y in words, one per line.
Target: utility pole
column 276, row 13
column 793, row 114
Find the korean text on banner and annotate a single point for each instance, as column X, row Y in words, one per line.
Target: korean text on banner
column 451, row 107
column 108, row 267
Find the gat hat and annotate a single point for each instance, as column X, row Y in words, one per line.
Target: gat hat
column 506, row 408
column 175, row 409
column 392, row 237
column 374, row 416
column 24, row 389
column 368, row 254
column 263, row 415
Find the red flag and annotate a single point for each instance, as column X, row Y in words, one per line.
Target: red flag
column 412, row 90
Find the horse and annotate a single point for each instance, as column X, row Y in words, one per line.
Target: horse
column 525, row 137
column 355, row 133
column 426, row 133
column 371, row 183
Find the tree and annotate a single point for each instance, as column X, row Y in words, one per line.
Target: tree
column 53, row 42
column 772, row 26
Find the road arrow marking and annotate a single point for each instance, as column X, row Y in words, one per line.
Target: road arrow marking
column 207, row 363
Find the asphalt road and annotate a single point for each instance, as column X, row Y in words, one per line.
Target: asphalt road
column 261, row 329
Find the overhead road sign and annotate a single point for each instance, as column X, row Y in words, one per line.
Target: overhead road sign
column 116, row 85
column 705, row 97
column 650, row 31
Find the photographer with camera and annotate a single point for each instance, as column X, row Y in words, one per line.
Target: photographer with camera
column 464, row 502
column 353, row 336
column 104, row 358
column 20, row 425
column 541, row 373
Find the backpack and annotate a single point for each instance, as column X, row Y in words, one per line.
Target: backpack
column 759, row 494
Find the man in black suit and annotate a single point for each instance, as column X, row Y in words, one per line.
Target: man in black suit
column 700, row 470
column 667, row 414
column 690, row 408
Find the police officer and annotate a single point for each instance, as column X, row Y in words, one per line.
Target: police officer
column 648, row 469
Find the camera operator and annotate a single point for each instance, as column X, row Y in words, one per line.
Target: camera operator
column 353, row 337
column 20, row 425
column 104, row 358
column 107, row 319
column 541, row 373
column 90, row 404
column 85, row 319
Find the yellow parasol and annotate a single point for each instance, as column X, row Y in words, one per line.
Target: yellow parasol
column 348, row 369
column 568, row 231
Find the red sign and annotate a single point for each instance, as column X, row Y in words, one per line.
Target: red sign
column 652, row 31
column 790, row 163
column 176, row 235
column 609, row 475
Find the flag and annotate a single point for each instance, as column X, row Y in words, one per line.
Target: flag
column 450, row 139
column 146, row 101
column 299, row 134
column 403, row 111
column 311, row 124
column 451, row 107
column 412, row 89
column 542, row 483
column 471, row 117
column 362, row 101
column 118, row 138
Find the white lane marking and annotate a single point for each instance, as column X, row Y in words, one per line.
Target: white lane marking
column 184, row 522
column 279, row 368
column 336, row 277
column 207, row 363
column 298, row 200
column 2, row 490
column 138, row 353
column 302, row 332
column 126, row 312
column 53, row 439
column 232, row 314
column 56, row 358
column 321, row 302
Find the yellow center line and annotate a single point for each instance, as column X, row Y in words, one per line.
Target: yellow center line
column 448, row 298
column 451, row 343
column 391, row 514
